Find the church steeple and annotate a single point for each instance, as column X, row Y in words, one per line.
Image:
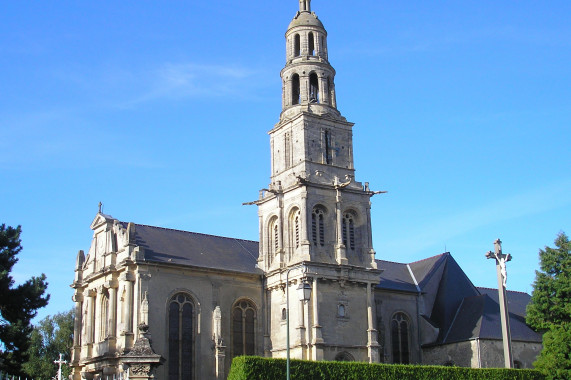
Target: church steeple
column 307, row 77
column 313, row 209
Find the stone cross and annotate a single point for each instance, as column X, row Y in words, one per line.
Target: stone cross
column 59, row 363
column 501, row 271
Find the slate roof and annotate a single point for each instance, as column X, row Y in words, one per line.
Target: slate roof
column 395, row 276
column 479, row 317
column 162, row 245
column 460, row 310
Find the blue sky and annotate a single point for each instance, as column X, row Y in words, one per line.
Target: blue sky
column 160, row 110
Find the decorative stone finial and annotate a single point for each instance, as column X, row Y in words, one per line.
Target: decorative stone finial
column 305, row 5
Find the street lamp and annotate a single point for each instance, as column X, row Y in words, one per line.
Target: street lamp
column 304, row 293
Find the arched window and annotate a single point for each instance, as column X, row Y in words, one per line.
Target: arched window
column 400, row 338
column 103, row 315
column 181, row 337
column 273, row 238
column 295, row 89
column 349, row 231
column 311, row 44
column 243, row 328
column 296, row 45
column 313, row 88
column 317, row 227
column 295, row 226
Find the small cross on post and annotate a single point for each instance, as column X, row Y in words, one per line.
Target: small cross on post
column 501, row 271
column 59, row 363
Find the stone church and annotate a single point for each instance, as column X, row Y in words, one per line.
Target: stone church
column 181, row 305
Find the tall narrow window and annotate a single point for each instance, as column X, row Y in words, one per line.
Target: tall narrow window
column 313, row 88
column 400, row 338
column 243, row 328
column 295, row 89
column 103, row 316
column 327, row 147
column 296, row 229
column 310, row 44
column 317, row 227
column 181, row 336
column 296, row 45
column 349, row 231
column 276, row 238
column 287, row 148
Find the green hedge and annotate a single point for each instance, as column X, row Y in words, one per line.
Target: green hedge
column 258, row 368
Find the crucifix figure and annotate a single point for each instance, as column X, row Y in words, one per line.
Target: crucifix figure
column 59, row 363
column 501, row 271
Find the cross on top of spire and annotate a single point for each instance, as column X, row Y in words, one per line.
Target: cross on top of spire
column 305, row 5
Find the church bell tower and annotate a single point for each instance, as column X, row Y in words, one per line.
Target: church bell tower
column 314, row 217
column 313, row 209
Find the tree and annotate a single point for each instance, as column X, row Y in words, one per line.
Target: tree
column 18, row 304
column 550, row 309
column 52, row 336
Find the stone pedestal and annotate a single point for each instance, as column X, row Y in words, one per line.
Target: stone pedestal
column 142, row 360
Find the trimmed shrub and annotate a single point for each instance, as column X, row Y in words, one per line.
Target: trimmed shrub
column 258, row 368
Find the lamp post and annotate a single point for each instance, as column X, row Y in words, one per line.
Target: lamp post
column 304, row 293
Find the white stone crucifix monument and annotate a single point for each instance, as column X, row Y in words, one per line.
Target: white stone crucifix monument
column 59, row 363
column 501, row 260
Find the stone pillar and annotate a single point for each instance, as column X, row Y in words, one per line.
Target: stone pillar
column 317, row 352
column 78, row 300
column 112, row 286
column 323, row 96
column 263, row 246
column 219, row 347
column 88, row 325
column 281, row 228
column 91, row 315
column 127, row 279
column 301, row 326
column 372, row 342
column 371, row 251
column 304, row 223
column 76, row 350
column 340, row 254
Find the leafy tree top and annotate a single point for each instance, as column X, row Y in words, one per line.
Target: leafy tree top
column 18, row 304
column 551, row 298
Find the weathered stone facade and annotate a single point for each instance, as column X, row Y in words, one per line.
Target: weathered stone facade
column 206, row 299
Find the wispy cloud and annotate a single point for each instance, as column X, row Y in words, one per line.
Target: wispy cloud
column 182, row 80
column 534, row 201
